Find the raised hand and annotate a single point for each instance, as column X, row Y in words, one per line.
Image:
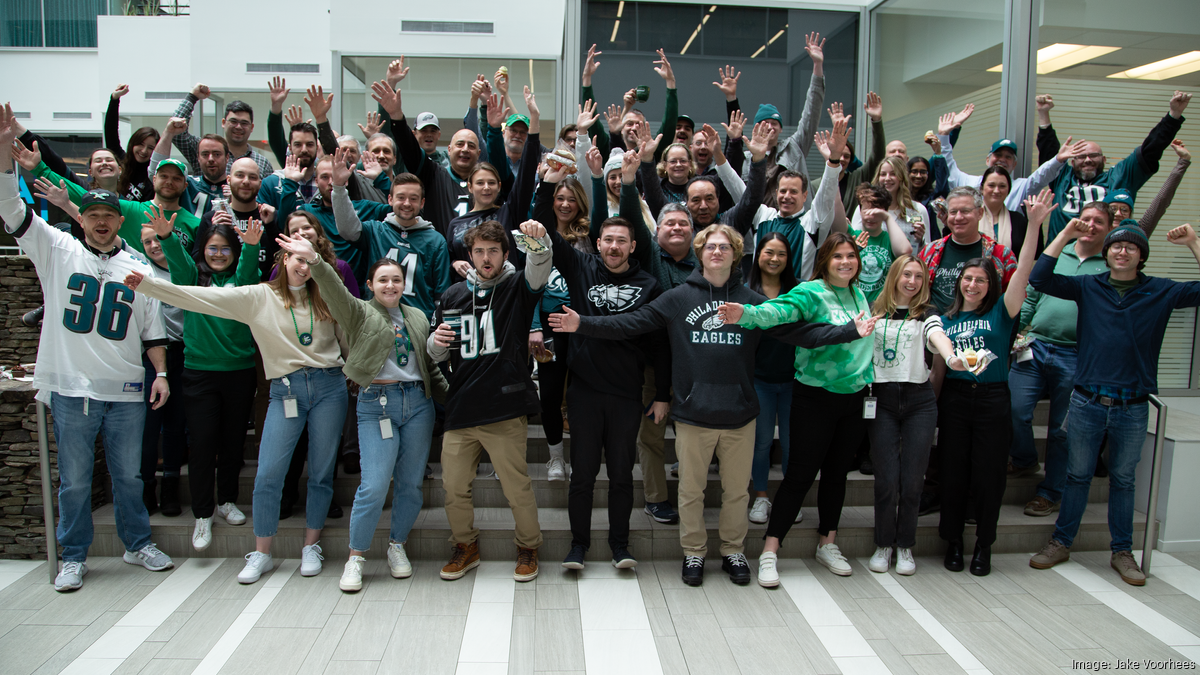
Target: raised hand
column 222, row 218
column 730, row 312
column 1075, row 229
column 341, row 168
column 737, row 122
column 395, row 72
column 814, row 45
column 279, row 93
column 388, row 98
column 865, row 326
column 613, row 118
column 201, row 91
column 945, row 124
column 964, row 114
column 1181, row 150
column 919, row 230
column 837, row 139
column 587, row 116
column 873, row 107
column 835, row 111
column 133, row 280
column 297, row 246
column 479, row 88
column 595, row 161
column 57, row 196
column 495, row 112
column 629, row 163
column 727, row 82
column 293, row 116
column 1179, row 103
column 318, row 103
column 663, row 67
column 533, row 229
column 1038, row 207
column 590, row 64
column 566, row 322
column 762, row 140
column 175, row 126
column 374, row 124
column 162, row 226
column 253, row 233
column 1071, row 150
column 711, row 140
column 863, row 238
column 28, row 158
column 1044, row 103
column 267, row 213
column 371, row 166
column 292, row 170
column 8, row 127
column 1183, row 235
column 629, row 99
column 934, row 143
column 120, row 91
column 535, row 115
column 646, row 145
column 500, row 82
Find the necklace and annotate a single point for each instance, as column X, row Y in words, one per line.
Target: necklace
column 890, row 354
column 304, row 338
column 839, row 300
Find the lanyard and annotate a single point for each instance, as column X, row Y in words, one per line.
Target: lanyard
column 304, row 338
column 403, row 345
column 890, row 354
column 839, row 300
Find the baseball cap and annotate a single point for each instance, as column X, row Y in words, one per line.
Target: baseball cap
column 1004, row 143
column 1120, row 196
column 171, row 161
column 100, row 198
column 427, row 119
column 684, row 118
column 514, row 118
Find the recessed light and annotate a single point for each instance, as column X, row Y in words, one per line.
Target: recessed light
column 1165, row 69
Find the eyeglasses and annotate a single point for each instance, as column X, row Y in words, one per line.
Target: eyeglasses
column 1092, row 156
column 723, row 248
column 1123, row 247
column 238, row 123
column 213, row 250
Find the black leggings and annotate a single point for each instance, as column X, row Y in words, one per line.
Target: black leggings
column 552, row 382
column 216, row 404
column 830, row 428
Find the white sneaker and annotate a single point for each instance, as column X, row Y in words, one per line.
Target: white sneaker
column 881, row 560
column 760, row 511
column 768, row 575
column 831, row 556
column 256, row 564
column 556, row 469
column 70, row 577
column 149, row 557
column 352, row 575
column 904, row 562
column 202, row 535
column 310, row 560
column 799, row 516
column 398, row 561
column 231, row 513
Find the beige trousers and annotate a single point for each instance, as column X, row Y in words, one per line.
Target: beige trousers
column 696, row 447
column 651, row 444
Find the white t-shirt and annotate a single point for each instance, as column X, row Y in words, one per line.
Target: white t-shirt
column 906, row 341
column 95, row 328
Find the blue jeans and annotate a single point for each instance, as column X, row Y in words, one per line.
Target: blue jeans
column 75, row 433
column 321, row 402
column 400, row 458
column 1087, row 424
column 774, row 403
column 1051, row 372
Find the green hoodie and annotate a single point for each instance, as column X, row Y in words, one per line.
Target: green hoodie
column 209, row 342
column 841, row 369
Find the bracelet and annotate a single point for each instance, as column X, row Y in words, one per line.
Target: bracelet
column 162, row 374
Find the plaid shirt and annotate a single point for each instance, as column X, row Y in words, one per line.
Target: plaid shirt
column 1002, row 257
column 189, row 144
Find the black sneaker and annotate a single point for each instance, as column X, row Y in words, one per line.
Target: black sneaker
column 735, row 565
column 428, row 471
column 286, row 508
column 675, row 469
column 351, row 463
column 662, row 512
column 929, row 504
column 33, row 317
column 335, row 511
column 867, row 468
column 622, row 559
column 693, row 570
column 574, row 559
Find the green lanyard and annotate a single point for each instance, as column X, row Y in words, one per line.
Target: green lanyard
column 403, row 345
column 839, row 300
column 304, row 338
column 890, row 354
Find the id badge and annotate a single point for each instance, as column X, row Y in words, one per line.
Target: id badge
column 869, row 404
column 385, row 427
column 290, row 409
column 1025, row 355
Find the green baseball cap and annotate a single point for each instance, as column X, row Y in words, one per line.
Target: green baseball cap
column 171, row 161
column 514, row 118
column 1004, row 143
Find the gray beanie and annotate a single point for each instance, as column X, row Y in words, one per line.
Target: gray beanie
column 614, row 161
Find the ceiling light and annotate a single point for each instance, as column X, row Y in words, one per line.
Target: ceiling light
column 1165, row 69
column 620, row 8
column 1059, row 55
column 616, row 25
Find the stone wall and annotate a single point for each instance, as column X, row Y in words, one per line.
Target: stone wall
column 19, row 293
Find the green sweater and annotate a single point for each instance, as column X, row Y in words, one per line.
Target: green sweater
column 135, row 213
column 840, row 369
column 209, row 342
column 1053, row 319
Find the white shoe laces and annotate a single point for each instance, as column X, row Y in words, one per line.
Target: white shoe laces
column 203, row 528
column 69, row 568
column 150, row 551
column 737, row 560
column 310, row 552
column 905, row 555
column 694, row 561
column 254, row 558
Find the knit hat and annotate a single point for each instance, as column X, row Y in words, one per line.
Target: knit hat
column 1121, row 196
column 614, row 161
column 1130, row 231
column 766, row 111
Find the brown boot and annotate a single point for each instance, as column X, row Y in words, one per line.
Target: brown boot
column 464, row 558
column 527, row 567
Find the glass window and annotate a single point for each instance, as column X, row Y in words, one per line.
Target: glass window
column 72, row 23
column 21, row 23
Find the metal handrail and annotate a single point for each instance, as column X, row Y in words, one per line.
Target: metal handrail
column 47, row 491
column 1151, row 534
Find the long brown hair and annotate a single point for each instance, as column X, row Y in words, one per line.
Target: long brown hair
column 579, row 227
column 323, row 246
column 885, row 304
column 904, row 190
column 131, row 169
column 825, row 256
column 280, row 285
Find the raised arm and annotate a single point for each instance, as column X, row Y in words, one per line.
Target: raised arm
column 1162, row 201
column 276, row 136
column 666, row 132
column 112, row 119
column 1037, row 208
column 797, row 147
column 187, row 143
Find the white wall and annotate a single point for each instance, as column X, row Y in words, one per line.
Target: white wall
column 297, row 32
column 126, row 57
column 45, row 81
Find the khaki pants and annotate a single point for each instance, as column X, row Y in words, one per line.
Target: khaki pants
column 735, row 449
column 651, row 443
column 506, row 443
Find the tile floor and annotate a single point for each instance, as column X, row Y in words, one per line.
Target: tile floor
column 198, row 619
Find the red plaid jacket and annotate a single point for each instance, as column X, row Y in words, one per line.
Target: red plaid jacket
column 1002, row 257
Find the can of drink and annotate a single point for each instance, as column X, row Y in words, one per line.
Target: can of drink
column 453, row 318
column 642, row 93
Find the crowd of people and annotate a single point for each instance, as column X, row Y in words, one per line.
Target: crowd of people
column 899, row 317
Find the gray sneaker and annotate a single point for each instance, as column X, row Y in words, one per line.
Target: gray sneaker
column 70, row 578
column 149, row 557
column 1050, row 555
column 1125, row 565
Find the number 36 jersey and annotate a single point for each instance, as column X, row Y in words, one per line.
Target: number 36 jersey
column 95, row 328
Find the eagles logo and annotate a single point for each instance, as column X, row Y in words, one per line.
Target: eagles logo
column 614, row 298
column 556, row 282
column 712, row 323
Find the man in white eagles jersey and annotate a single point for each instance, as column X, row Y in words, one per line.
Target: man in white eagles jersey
column 89, row 364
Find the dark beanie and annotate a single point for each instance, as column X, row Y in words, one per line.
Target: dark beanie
column 1128, row 230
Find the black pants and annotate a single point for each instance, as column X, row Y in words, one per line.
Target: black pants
column 974, row 437
column 608, row 423
column 826, row 430
column 168, row 421
column 216, row 403
column 552, row 381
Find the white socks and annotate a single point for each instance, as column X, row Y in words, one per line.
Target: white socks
column 556, row 450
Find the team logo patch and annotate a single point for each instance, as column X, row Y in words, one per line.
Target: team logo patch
column 615, row 298
column 712, row 323
column 132, row 387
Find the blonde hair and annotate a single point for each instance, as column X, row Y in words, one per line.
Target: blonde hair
column 662, row 164
column 885, row 304
column 735, row 240
column 280, row 285
column 904, row 191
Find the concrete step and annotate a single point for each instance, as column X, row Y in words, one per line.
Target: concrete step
column 649, row 540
